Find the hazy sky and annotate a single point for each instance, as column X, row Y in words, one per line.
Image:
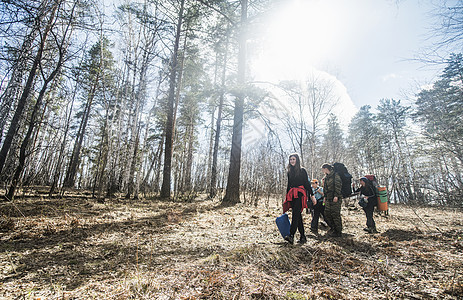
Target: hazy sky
column 368, row 45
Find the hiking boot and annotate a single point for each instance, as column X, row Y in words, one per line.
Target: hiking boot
column 333, row 233
column 289, row 239
column 336, row 234
column 302, row 241
column 372, row 230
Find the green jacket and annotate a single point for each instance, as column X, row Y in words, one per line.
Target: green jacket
column 332, row 189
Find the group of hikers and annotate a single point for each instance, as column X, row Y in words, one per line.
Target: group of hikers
column 322, row 200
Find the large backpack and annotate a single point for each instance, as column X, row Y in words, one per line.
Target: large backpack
column 346, row 179
column 373, row 180
column 380, row 191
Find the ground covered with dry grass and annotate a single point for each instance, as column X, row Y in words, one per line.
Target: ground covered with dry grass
column 77, row 248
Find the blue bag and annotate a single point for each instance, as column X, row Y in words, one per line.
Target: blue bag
column 283, row 224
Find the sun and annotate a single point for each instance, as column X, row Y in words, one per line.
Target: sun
column 300, row 34
column 300, row 37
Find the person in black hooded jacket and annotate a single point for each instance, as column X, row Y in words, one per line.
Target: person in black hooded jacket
column 298, row 192
column 368, row 202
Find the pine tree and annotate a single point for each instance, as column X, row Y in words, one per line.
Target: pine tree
column 393, row 118
column 333, row 147
column 440, row 111
column 364, row 142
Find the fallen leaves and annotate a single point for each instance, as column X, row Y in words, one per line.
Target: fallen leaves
column 77, row 248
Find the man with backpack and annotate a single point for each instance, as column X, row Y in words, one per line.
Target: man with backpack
column 332, row 185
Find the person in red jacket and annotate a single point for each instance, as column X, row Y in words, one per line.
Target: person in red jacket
column 297, row 193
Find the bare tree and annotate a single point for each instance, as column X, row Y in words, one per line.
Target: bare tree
column 448, row 29
column 311, row 103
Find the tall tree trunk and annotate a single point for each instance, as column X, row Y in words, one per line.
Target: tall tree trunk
column 155, row 157
column 157, row 177
column 166, row 178
column 232, row 195
column 40, row 165
column 213, row 188
column 210, row 154
column 116, row 177
column 143, row 159
column 32, row 122
column 140, row 99
column 102, row 160
column 132, row 130
column 133, row 165
column 27, row 90
column 70, row 179
column 189, row 156
column 59, row 163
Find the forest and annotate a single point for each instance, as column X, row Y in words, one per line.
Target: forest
column 156, row 103
column 147, row 113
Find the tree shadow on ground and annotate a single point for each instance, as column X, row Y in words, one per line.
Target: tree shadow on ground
column 400, row 235
column 350, row 244
column 71, row 255
column 30, row 207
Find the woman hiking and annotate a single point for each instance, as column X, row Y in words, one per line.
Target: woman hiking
column 297, row 193
column 368, row 202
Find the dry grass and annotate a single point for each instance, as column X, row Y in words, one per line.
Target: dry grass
column 76, row 248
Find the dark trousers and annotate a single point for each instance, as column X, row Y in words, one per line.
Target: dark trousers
column 318, row 210
column 296, row 220
column 369, row 209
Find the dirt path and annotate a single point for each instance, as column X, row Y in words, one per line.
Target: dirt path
column 76, row 248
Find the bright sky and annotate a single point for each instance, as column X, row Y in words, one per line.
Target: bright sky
column 367, row 45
